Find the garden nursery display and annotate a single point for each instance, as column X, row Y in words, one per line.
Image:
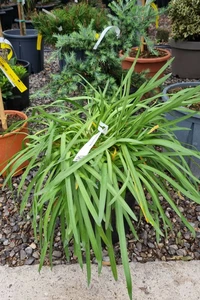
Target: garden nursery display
column 101, row 175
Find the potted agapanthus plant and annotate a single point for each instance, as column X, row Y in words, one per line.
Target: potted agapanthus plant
column 85, row 160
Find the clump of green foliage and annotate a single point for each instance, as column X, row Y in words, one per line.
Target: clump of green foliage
column 5, row 85
column 81, row 60
column 162, row 35
column 67, row 20
column 133, row 21
column 185, row 19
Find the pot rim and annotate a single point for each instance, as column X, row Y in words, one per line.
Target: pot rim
column 24, row 125
column 147, row 60
column 165, row 96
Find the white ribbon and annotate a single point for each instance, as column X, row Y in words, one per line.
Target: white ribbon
column 117, row 30
column 102, row 128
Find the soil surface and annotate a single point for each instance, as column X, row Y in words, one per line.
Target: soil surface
column 11, row 120
column 147, row 54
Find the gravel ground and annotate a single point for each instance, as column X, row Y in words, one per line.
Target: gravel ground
column 18, row 245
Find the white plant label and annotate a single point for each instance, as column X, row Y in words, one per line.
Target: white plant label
column 117, row 30
column 102, row 128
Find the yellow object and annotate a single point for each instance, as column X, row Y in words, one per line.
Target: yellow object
column 114, row 154
column 12, row 77
column 154, row 6
column 97, row 36
column 7, row 46
column 39, row 41
column 153, row 129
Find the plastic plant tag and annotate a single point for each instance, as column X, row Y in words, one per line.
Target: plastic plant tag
column 39, row 41
column 49, row 13
column 12, row 77
column 102, row 128
column 5, row 44
column 53, row 16
column 117, row 30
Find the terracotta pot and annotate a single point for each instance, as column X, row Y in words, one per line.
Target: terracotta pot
column 13, row 142
column 142, row 64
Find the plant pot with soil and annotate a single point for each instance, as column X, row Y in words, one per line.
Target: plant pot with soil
column 13, row 98
column 27, row 48
column 149, row 58
column 27, row 44
column 188, row 130
column 12, row 141
column 146, row 61
column 13, row 124
column 6, row 15
column 185, row 42
column 46, row 4
column 84, row 162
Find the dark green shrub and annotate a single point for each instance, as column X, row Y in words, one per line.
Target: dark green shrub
column 67, row 20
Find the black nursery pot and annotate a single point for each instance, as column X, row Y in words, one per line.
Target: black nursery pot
column 49, row 6
column 79, row 54
column 20, row 100
column 29, row 24
column 26, row 47
column 162, row 3
column 6, row 16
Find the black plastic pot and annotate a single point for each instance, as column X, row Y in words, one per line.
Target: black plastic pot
column 80, row 55
column 189, row 138
column 6, row 15
column 29, row 24
column 186, row 59
column 162, row 3
column 163, row 46
column 48, row 6
column 26, row 47
column 20, row 100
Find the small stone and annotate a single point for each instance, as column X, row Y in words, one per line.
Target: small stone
column 57, row 253
column 29, row 251
column 12, row 244
column 22, row 254
column 106, row 258
column 181, row 252
column 12, row 253
column 14, row 262
column 197, row 255
column 29, row 261
column 198, row 235
column 6, row 243
column 187, row 235
column 36, row 255
column 198, row 218
column 181, row 209
column 172, row 249
column 151, row 245
column 139, row 246
column 197, row 208
column 15, row 228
